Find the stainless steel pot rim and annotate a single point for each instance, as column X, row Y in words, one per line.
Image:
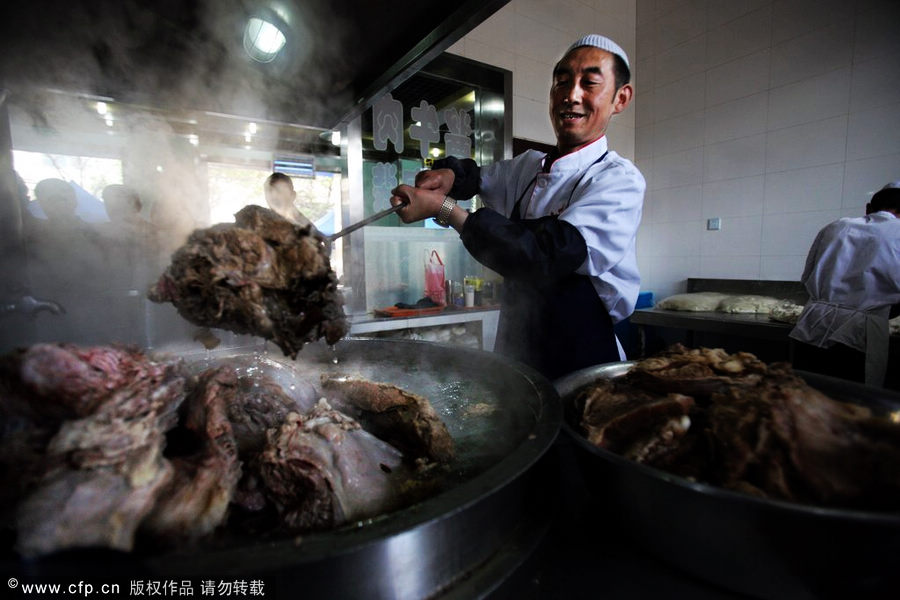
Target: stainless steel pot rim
column 569, row 384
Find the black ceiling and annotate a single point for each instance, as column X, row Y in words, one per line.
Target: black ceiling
column 188, row 54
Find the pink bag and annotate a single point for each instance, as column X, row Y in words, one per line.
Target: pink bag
column 434, row 278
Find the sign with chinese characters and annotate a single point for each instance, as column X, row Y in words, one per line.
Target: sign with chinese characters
column 387, row 125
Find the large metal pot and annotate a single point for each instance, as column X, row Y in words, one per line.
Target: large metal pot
column 462, row 542
column 765, row 548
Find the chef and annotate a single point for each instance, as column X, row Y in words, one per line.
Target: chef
column 559, row 227
column 852, row 274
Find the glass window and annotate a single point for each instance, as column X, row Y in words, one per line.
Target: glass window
column 88, row 174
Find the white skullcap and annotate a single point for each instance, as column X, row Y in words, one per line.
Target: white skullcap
column 893, row 184
column 602, row 42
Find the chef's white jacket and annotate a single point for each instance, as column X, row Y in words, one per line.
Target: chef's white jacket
column 852, row 274
column 603, row 200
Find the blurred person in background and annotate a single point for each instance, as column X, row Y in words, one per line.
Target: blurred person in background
column 129, row 238
column 559, row 227
column 852, row 274
column 66, row 263
column 280, row 197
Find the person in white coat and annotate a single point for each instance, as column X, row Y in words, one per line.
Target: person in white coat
column 852, row 274
column 559, row 227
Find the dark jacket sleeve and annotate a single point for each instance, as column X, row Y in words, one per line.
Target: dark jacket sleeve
column 540, row 251
column 467, row 175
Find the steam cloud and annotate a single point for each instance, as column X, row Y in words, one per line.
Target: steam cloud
column 167, row 55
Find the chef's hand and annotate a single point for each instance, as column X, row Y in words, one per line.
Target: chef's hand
column 436, row 179
column 423, row 203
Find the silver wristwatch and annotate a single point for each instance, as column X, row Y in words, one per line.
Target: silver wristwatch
column 443, row 216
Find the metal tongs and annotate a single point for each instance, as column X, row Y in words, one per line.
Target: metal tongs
column 366, row 221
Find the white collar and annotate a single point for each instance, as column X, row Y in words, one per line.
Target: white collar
column 583, row 158
column 881, row 215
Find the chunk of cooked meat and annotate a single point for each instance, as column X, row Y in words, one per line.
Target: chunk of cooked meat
column 696, row 372
column 196, row 501
column 322, row 469
column 261, row 275
column 63, row 381
column 792, row 441
column 639, row 426
column 75, row 508
column 101, row 445
column 762, row 431
column 252, row 404
column 401, row 418
column 103, row 472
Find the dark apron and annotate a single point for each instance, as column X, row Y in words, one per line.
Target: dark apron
column 558, row 327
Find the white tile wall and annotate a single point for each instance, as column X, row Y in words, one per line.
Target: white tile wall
column 729, row 267
column 742, row 157
column 678, row 204
column 777, row 116
column 862, row 178
column 686, row 23
column 678, row 238
column 810, row 144
column 534, row 81
column 738, row 118
column 679, row 168
column 782, row 267
column 793, row 233
column 668, row 274
column 680, row 133
column 874, row 132
column 621, row 137
column 733, row 197
column 803, row 190
column 486, row 53
column 745, row 35
column 876, row 31
column 800, row 109
column 643, row 141
column 876, row 82
column 531, row 120
column 677, row 62
column 742, row 77
column 739, row 236
column 811, row 54
column 720, row 12
column 811, row 99
column 793, row 18
column 679, row 97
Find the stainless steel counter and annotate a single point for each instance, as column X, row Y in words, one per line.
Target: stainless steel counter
column 489, row 318
column 748, row 325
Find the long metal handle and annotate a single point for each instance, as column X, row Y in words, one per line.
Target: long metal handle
column 366, row 221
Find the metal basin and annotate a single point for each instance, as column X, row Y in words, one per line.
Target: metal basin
column 764, row 548
column 461, row 542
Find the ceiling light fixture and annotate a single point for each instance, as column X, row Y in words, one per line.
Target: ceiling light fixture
column 263, row 40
